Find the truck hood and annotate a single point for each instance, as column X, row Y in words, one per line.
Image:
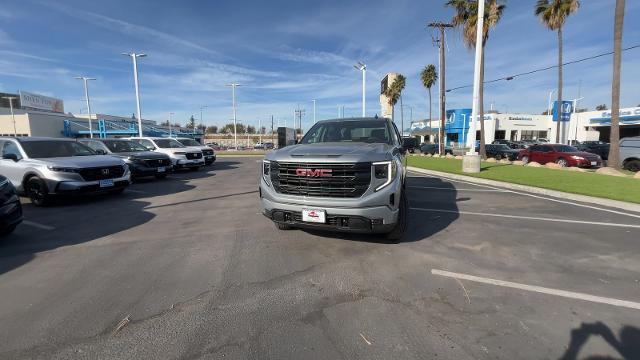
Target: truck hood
column 189, row 149
column 83, row 161
column 141, row 155
column 333, row 152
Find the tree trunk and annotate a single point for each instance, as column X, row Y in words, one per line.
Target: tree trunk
column 430, row 120
column 483, row 152
column 559, row 103
column 614, row 150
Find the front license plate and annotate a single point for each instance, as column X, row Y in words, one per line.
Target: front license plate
column 594, row 163
column 106, row 183
column 313, row 215
column 161, row 169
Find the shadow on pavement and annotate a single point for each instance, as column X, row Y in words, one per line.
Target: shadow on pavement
column 627, row 344
column 436, row 194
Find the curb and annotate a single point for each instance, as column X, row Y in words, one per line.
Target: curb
column 534, row 190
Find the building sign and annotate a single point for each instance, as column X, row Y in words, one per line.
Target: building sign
column 627, row 116
column 565, row 112
column 41, row 102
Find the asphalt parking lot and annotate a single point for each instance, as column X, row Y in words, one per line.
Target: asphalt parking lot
column 189, row 268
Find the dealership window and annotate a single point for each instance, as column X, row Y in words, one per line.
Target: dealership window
column 532, row 134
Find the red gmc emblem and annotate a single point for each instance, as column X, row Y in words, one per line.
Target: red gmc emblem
column 313, row 214
column 313, row 172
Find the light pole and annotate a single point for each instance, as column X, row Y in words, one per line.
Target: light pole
column 363, row 67
column 575, row 111
column 201, row 123
column 471, row 161
column 170, row 120
column 135, row 57
column 314, row 111
column 549, row 107
column 86, row 97
column 13, row 118
column 233, row 95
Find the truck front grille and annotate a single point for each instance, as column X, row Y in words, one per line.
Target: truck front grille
column 346, row 180
column 194, row 155
column 102, row 173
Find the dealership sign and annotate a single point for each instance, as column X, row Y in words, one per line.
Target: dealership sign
column 565, row 111
column 627, row 116
column 41, row 102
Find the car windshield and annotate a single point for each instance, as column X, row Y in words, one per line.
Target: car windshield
column 121, row 146
column 565, row 148
column 189, row 142
column 366, row 131
column 502, row 147
column 39, row 149
column 168, row 143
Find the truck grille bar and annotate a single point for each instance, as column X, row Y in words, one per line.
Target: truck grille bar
column 347, row 180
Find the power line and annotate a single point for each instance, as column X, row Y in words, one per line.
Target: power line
column 511, row 77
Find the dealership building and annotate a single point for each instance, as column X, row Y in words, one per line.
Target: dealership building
column 39, row 115
column 577, row 126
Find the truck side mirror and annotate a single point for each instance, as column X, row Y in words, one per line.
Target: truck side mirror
column 13, row 157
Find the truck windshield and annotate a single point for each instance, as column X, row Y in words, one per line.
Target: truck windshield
column 122, row 146
column 168, row 144
column 189, row 142
column 55, row 148
column 366, row 131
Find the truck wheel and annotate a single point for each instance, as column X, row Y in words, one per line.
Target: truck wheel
column 398, row 231
column 282, row 226
column 632, row 165
column 37, row 191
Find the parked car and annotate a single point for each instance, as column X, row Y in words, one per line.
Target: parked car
column 509, row 143
column 600, row 148
column 630, row 153
column 344, row 175
column 141, row 161
column 207, row 151
column 500, row 151
column 182, row 157
column 263, row 146
column 10, row 207
column 563, row 155
column 410, row 144
column 42, row 167
column 434, row 149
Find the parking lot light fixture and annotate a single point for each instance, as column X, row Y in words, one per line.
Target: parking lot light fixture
column 235, row 119
column 86, row 97
column 201, row 123
column 135, row 57
column 363, row 67
column 170, row 120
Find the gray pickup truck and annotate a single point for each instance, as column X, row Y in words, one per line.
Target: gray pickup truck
column 344, row 175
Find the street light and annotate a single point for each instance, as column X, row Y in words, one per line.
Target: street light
column 11, row 98
column 86, row 97
column 363, row 67
column 201, row 123
column 233, row 94
column 314, row 111
column 135, row 57
column 170, row 120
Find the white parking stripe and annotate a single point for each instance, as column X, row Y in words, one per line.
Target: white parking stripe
column 455, row 189
column 538, row 196
column 529, row 218
column 539, row 289
column 36, row 225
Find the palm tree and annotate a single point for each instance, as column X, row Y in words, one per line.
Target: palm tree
column 614, row 150
column 429, row 76
column 466, row 16
column 394, row 93
column 553, row 14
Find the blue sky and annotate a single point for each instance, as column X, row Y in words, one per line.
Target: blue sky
column 287, row 53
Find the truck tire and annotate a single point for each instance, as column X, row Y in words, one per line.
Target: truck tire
column 398, row 231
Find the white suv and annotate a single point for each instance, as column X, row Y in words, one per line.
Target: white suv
column 181, row 156
column 207, row 151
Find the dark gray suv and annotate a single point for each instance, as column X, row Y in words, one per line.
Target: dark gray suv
column 344, row 175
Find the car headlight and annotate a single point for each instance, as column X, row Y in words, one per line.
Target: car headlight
column 575, row 157
column 63, row 169
column 384, row 170
column 266, row 171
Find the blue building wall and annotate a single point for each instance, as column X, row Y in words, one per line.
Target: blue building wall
column 457, row 125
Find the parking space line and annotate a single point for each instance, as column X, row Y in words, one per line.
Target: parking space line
column 454, row 189
column 37, row 225
column 529, row 218
column 539, row 289
column 537, row 196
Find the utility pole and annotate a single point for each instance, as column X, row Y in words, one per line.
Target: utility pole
column 170, row 120
column 363, row 67
column 235, row 130
column 86, row 97
column 201, row 123
column 299, row 113
column 441, row 45
column 272, row 141
column 135, row 57
column 13, row 118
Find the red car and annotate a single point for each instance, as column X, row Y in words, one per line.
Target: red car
column 563, row 155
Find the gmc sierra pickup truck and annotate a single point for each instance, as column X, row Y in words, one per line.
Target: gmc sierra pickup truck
column 344, row 175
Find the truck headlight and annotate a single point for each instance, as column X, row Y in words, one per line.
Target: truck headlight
column 266, row 171
column 384, row 170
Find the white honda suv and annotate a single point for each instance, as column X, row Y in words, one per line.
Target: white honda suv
column 182, row 157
